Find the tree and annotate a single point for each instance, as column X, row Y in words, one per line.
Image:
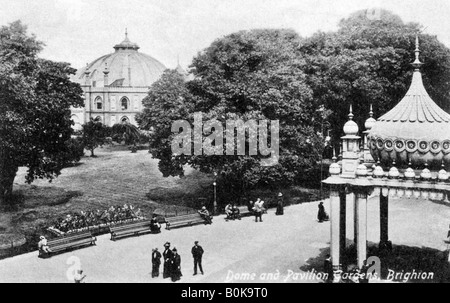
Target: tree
column 94, row 134
column 367, row 61
column 168, row 100
column 35, row 100
column 246, row 75
column 126, row 131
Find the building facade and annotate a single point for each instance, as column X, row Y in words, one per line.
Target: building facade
column 115, row 84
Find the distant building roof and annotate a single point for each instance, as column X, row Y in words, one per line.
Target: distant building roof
column 127, row 63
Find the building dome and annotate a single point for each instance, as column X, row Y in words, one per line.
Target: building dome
column 416, row 130
column 127, row 67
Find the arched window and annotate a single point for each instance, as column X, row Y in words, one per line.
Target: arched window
column 124, row 103
column 125, row 119
column 98, row 103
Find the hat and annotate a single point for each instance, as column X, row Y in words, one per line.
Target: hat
column 42, row 237
column 203, row 207
column 174, row 249
column 167, row 244
column 280, row 194
column 196, row 242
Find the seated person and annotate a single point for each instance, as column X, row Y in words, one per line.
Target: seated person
column 229, row 211
column 205, row 215
column 236, row 212
column 42, row 245
column 155, row 227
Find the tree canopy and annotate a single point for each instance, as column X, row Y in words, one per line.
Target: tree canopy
column 307, row 84
column 246, row 75
column 35, row 100
column 367, row 61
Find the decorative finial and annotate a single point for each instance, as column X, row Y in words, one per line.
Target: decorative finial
column 106, row 70
column 371, row 111
column 350, row 115
column 417, row 64
column 334, row 156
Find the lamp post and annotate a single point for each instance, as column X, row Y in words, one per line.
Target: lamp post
column 215, row 194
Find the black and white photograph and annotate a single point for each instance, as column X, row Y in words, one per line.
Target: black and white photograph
column 225, row 142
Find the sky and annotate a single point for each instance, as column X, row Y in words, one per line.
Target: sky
column 79, row 31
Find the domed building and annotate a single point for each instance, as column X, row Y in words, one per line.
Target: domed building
column 415, row 132
column 406, row 154
column 115, row 84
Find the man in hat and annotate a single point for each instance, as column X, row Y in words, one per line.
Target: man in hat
column 167, row 255
column 175, row 266
column 156, row 262
column 43, row 246
column 197, row 253
column 280, row 210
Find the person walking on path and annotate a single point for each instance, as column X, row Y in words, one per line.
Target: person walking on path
column 167, row 254
column 175, row 266
column 280, row 209
column 156, row 262
column 197, row 253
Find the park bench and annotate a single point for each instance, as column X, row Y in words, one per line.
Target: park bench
column 70, row 241
column 243, row 211
column 131, row 228
column 184, row 220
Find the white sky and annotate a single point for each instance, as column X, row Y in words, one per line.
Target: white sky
column 79, row 31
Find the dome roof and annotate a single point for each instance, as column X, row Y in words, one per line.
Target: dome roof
column 126, row 66
column 415, row 130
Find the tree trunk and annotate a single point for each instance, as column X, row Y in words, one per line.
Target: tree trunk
column 8, row 171
column 92, row 152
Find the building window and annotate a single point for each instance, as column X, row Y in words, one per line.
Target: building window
column 124, row 103
column 125, row 120
column 98, row 103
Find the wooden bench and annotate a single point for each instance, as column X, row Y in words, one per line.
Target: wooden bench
column 70, row 241
column 243, row 211
column 131, row 228
column 184, row 220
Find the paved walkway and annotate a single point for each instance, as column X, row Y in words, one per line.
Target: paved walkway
column 236, row 249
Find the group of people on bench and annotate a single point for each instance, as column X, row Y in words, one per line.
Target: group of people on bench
column 232, row 212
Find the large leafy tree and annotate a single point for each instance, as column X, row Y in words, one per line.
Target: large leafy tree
column 247, row 75
column 35, row 100
column 367, row 61
column 168, row 100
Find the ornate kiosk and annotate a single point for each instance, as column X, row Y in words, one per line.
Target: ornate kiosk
column 406, row 153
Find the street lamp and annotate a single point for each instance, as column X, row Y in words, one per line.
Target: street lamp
column 215, row 193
